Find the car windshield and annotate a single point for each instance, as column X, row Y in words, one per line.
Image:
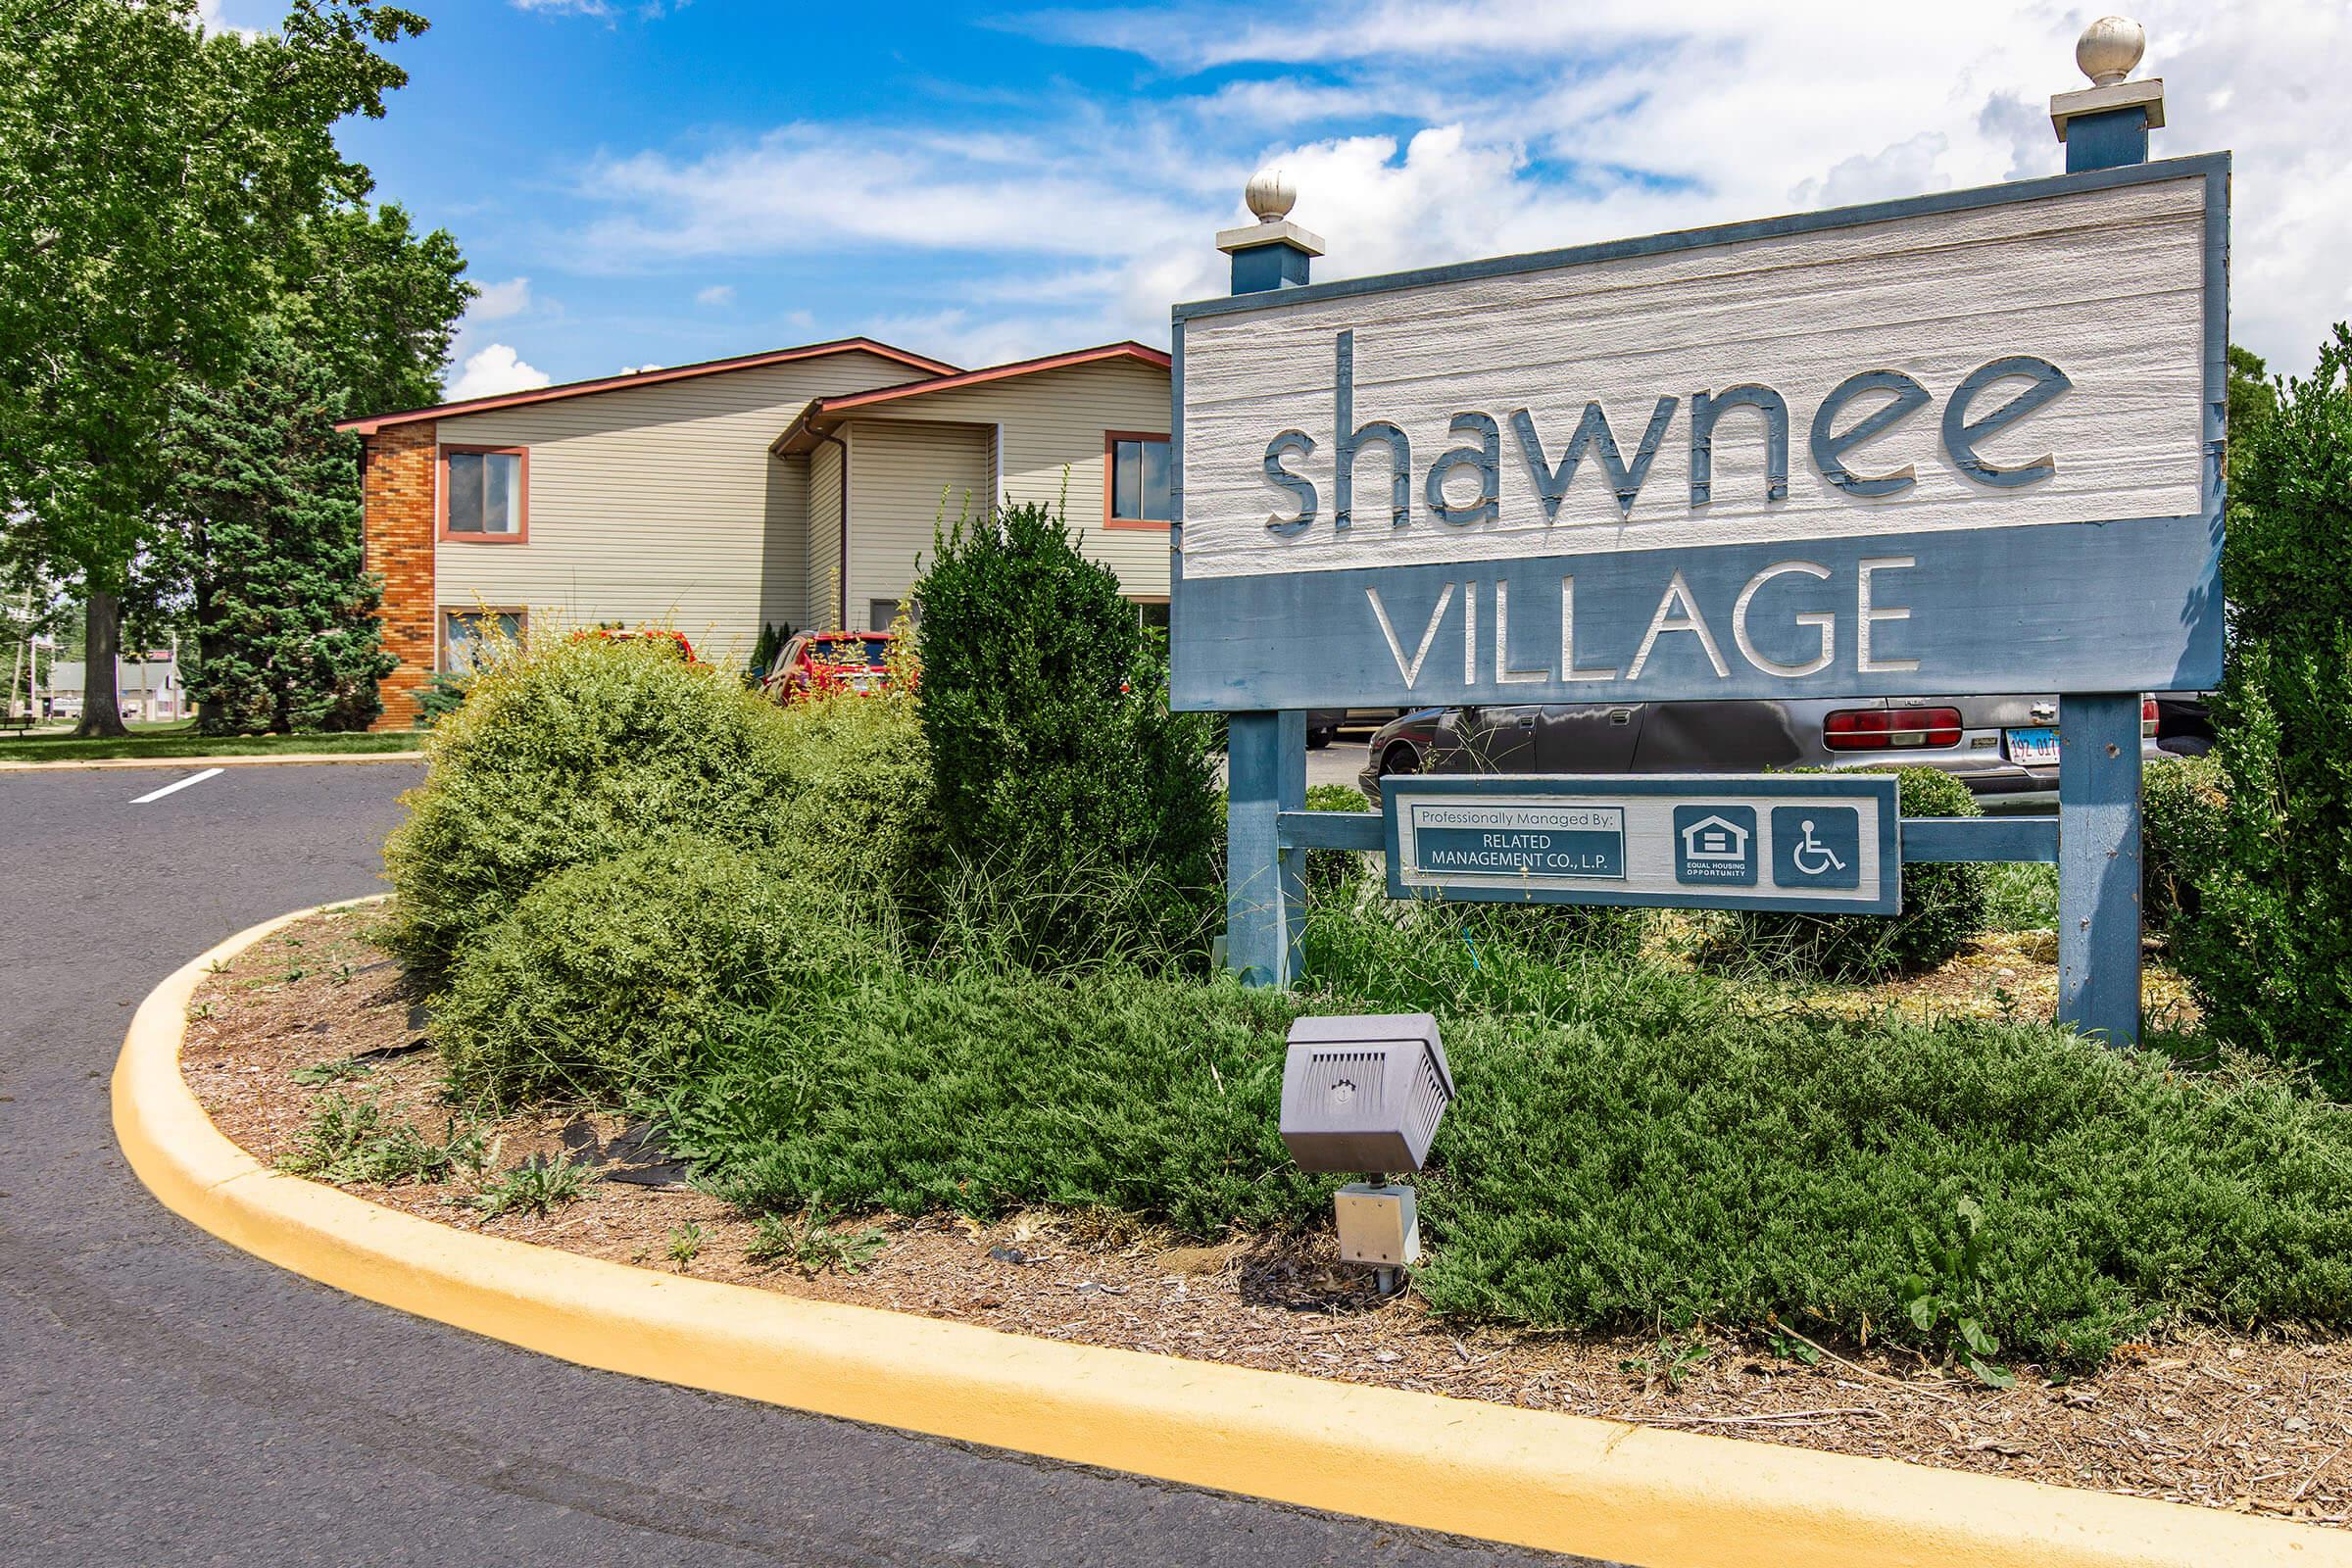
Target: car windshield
column 872, row 651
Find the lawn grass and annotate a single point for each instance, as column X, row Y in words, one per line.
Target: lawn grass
column 179, row 739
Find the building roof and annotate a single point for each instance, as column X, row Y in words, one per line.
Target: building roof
column 826, row 412
column 674, row 372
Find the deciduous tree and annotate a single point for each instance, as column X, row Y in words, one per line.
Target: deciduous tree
column 154, row 180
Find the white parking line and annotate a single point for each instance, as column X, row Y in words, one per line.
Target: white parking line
column 192, row 778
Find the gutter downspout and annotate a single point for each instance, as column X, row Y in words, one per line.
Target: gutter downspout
column 841, row 570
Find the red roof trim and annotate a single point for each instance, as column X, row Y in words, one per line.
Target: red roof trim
column 675, row 373
column 1129, row 350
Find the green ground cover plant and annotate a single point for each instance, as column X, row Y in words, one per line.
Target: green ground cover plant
column 1633, row 1146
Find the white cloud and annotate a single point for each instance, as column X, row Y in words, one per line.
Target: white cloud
column 1525, row 125
column 637, row 370
column 567, row 8
column 487, row 369
column 716, row 294
column 497, row 301
column 492, row 370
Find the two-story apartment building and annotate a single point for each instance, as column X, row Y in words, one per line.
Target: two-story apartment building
column 797, row 488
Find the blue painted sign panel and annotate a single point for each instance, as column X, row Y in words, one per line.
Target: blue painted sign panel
column 1962, row 443
column 1825, row 842
column 1578, row 841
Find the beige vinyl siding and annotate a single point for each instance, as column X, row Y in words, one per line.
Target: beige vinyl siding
column 822, row 604
column 1051, row 419
column 658, row 503
column 784, row 544
column 898, row 474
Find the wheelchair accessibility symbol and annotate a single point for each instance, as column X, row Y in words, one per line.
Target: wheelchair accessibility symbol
column 1816, row 846
column 1814, row 858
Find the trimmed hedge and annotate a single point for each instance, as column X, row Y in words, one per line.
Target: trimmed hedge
column 568, row 752
column 605, row 974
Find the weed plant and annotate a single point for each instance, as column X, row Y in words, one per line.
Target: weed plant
column 2021, row 895
column 348, row 1140
column 537, row 1186
column 812, row 1243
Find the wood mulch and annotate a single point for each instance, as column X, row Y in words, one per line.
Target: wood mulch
column 2259, row 1423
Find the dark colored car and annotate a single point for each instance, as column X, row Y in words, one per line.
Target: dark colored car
column 1323, row 724
column 2004, row 749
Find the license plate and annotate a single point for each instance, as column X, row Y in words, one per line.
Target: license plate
column 2033, row 745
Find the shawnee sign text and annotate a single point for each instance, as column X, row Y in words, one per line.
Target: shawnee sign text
column 1961, row 447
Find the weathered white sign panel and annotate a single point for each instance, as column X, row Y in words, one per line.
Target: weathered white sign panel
column 1962, row 443
column 1811, row 842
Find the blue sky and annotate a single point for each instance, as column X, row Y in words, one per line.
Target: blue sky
column 640, row 183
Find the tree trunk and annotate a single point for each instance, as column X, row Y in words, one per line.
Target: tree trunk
column 102, row 641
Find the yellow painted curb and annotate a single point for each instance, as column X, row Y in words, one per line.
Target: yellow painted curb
column 1637, row 1495
column 235, row 759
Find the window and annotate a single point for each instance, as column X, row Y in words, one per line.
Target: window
column 1153, row 614
column 484, row 493
column 464, row 632
column 1136, row 480
column 881, row 614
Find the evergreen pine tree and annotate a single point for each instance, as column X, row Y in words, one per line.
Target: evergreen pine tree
column 264, row 512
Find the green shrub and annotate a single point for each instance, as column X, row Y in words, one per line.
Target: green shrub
column 2182, row 832
column 2270, row 948
column 1943, row 909
column 1056, row 764
column 570, row 751
column 861, row 814
column 606, row 974
column 1331, row 871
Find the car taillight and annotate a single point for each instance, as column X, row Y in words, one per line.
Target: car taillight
column 1875, row 729
column 2147, row 715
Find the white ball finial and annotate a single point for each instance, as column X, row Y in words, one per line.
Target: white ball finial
column 2109, row 48
column 1270, row 195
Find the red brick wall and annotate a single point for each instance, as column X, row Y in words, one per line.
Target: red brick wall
column 399, row 495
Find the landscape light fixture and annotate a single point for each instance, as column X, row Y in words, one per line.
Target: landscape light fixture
column 1366, row 1094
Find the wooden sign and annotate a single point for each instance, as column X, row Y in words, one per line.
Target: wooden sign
column 1966, row 442
column 1785, row 841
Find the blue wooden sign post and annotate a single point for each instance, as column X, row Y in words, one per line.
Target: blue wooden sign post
column 1265, row 756
column 1964, row 443
column 2106, row 127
